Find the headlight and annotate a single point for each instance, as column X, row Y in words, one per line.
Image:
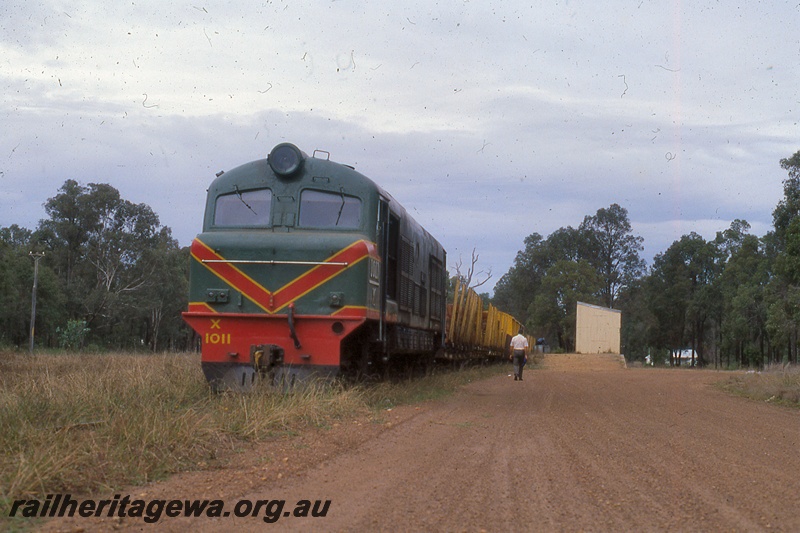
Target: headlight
column 286, row 159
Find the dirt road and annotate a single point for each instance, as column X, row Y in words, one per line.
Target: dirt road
column 581, row 445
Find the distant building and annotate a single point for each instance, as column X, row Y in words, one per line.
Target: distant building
column 597, row 329
column 685, row 357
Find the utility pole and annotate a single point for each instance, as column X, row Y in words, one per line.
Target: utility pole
column 36, row 256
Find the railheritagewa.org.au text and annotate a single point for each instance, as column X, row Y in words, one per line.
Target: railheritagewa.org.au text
column 151, row 511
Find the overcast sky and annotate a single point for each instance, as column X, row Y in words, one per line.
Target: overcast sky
column 487, row 120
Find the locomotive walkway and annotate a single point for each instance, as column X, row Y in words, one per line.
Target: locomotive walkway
column 581, row 444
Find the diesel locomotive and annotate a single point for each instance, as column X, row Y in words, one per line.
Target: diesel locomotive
column 305, row 267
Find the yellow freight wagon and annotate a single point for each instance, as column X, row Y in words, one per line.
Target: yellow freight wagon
column 473, row 330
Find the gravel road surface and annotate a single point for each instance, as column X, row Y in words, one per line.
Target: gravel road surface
column 583, row 444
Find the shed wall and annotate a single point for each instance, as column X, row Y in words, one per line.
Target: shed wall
column 597, row 329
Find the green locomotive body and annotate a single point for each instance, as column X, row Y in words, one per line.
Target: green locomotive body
column 306, row 267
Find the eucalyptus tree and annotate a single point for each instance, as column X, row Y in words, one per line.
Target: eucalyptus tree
column 15, row 277
column 742, row 288
column 783, row 248
column 783, row 294
column 16, row 281
column 107, row 251
column 612, row 249
column 152, row 313
column 517, row 288
column 553, row 311
column 682, row 294
column 66, row 230
column 788, row 207
column 638, row 325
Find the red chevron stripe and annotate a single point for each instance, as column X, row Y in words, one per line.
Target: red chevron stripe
column 232, row 275
column 298, row 287
column 318, row 275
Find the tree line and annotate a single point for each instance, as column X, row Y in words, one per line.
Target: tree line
column 732, row 301
column 112, row 277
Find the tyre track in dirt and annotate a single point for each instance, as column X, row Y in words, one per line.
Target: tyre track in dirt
column 581, row 445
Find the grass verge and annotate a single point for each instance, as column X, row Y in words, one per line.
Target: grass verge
column 434, row 385
column 775, row 384
column 81, row 424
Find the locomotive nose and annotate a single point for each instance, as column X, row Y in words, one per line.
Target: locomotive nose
column 296, row 294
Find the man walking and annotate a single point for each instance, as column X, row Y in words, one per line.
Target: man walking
column 519, row 353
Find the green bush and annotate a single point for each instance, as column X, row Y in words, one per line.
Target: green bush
column 73, row 335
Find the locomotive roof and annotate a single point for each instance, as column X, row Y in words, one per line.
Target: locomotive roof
column 262, row 172
column 259, row 172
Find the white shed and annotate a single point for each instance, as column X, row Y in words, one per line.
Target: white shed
column 597, row 329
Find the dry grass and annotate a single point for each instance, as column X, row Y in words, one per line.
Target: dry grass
column 775, row 384
column 86, row 423
column 82, row 423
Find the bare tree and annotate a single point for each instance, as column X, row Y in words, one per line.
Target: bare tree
column 466, row 279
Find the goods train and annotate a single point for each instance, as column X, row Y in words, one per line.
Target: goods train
column 305, row 267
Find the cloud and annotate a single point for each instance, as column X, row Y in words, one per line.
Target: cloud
column 487, row 121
